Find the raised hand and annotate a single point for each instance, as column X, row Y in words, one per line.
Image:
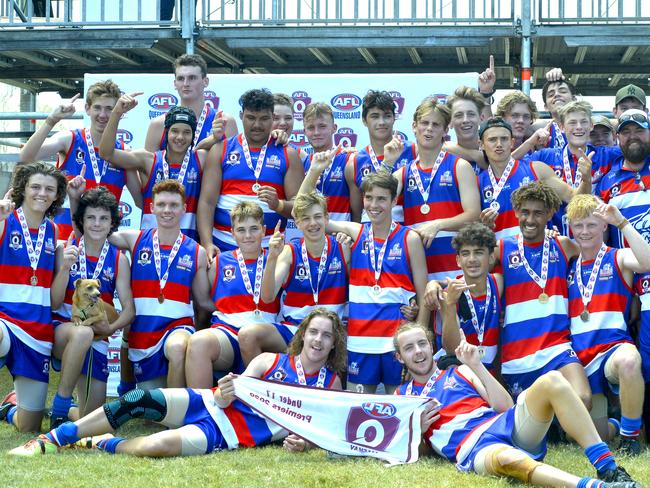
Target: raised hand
column 269, row 195
column 455, row 289
column 77, row 185
column 7, row 206
column 585, row 163
column 127, row 102
column 219, row 127
column 70, row 252
column 554, row 74
column 276, row 243
column 467, row 353
column 487, row 78
column 543, row 135
column 63, row 111
column 393, row 150
column 280, row 137
column 608, row 213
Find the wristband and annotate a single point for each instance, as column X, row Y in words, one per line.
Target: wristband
column 488, row 95
column 621, row 225
column 280, row 206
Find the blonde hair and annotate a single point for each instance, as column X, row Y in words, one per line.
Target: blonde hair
column 469, row 94
column 581, row 207
column 305, row 201
column 405, row 327
column 103, row 88
column 507, row 103
column 575, row 106
column 431, row 104
column 317, row 109
column 244, row 210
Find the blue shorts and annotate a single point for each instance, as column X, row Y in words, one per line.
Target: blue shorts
column 644, row 349
column 232, row 334
column 156, row 365
column 22, row 360
column 285, row 331
column 372, row 369
column 199, row 416
column 598, row 381
column 500, row 432
column 516, row 383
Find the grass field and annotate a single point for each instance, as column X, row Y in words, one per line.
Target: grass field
column 265, row 467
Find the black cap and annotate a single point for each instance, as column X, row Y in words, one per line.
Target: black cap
column 180, row 115
column 493, row 122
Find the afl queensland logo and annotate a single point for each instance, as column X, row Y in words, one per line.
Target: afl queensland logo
column 124, row 136
column 379, row 410
column 298, row 138
column 300, row 101
column 346, row 102
column 346, row 137
column 161, row 103
column 399, row 101
column 211, row 99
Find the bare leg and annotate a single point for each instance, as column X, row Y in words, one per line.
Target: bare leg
column 175, row 347
column 575, row 375
column 626, row 367
column 255, row 339
column 71, row 343
column 26, row 421
column 207, row 350
column 96, row 398
column 161, row 444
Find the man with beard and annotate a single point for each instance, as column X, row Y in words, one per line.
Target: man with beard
column 624, row 186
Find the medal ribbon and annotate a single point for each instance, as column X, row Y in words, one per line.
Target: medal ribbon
column 320, row 382
column 427, row 388
column 253, row 289
column 568, row 174
column 257, row 170
column 434, row 170
column 497, row 187
column 373, row 158
column 100, row 261
column 559, row 139
column 321, row 266
column 540, row 280
column 479, row 328
column 34, row 253
column 586, row 292
column 376, row 267
column 93, row 157
column 170, row 259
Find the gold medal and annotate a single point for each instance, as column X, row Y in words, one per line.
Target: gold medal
column 161, row 297
column 584, row 315
column 543, row 298
column 425, row 209
column 33, row 280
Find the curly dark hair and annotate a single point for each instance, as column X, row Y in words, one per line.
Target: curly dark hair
column 24, row 172
column 474, row 234
column 98, row 197
column 257, row 100
column 377, row 99
column 572, row 88
column 536, row 191
column 337, row 360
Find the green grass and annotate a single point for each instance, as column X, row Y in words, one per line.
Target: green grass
column 264, row 467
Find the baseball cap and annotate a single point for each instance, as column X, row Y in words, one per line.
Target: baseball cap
column 633, row 116
column 493, row 122
column 630, row 91
column 602, row 120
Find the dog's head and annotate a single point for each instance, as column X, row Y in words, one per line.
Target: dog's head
column 87, row 290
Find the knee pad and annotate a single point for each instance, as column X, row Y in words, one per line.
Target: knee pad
column 520, row 468
column 146, row 404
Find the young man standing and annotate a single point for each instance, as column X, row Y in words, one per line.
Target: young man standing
column 236, row 281
column 388, row 271
column 306, row 273
column 600, row 296
column 247, row 167
column 520, row 112
column 473, row 423
column 27, row 257
column 190, row 81
column 603, row 133
column 76, row 149
column 204, row 421
column 628, row 97
column 178, row 161
column 472, row 301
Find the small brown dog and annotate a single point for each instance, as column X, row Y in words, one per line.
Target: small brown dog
column 88, row 306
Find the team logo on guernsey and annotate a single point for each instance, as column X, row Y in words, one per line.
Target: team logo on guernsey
column 108, row 274
column 515, row 389
column 487, row 193
column 279, row 375
column 15, row 240
column 399, row 101
column 124, row 136
column 346, row 137
column 606, row 272
column 335, row 266
column 49, row 245
column 571, row 276
column 411, row 186
column 233, row 158
column 514, row 259
column 185, row 262
column 450, row 383
column 558, row 172
column 144, row 256
column 365, row 170
column 525, row 181
column 298, row 138
column 211, row 99
column 301, row 273
column 80, row 156
column 74, row 270
column 346, row 105
column 273, row 162
column 645, row 285
column 554, row 256
column 641, row 222
column 336, row 174
column 46, row 365
column 395, row 251
column 228, row 273
column 161, row 103
column 364, row 247
column 300, row 101
column 615, row 189
column 353, row 368
column 137, row 369
column 192, row 176
column 403, row 137
column 446, row 178
column 372, row 426
column 159, row 176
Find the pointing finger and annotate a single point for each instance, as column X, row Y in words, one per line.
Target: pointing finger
column 136, row 94
column 70, row 239
column 491, row 62
column 277, row 227
column 75, row 98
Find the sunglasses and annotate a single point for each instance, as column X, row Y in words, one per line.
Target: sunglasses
column 639, row 118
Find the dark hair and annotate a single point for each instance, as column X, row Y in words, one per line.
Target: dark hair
column 381, row 179
column 377, row 99
column 257, row 100
column 24, row 172
column 180, row 115
column 98, row 197
column 474, row 234
column 570, row 85
column 191, row 60
column 491, row 123
column 536, row 191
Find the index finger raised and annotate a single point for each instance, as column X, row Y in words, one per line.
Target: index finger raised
column 491, row 62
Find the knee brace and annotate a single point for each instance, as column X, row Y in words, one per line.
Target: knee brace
column 520, row 468
column 147, row 404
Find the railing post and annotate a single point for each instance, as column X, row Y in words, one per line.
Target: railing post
column 188, row 22
column 526, row 32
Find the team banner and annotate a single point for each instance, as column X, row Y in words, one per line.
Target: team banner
column 386, row 427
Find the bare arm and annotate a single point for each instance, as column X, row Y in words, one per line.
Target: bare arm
column 65, row 258
column 276, row 270
column 356, row 204
column 201, row 290
column 123, row 287
column 475, row 155
column 154, row 134
column 124, row 239
column 210, row 189
column 418, row 264
column 292, row 182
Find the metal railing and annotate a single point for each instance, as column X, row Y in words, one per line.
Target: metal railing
column 90, row 13
column 355, row 12
column 592, row 11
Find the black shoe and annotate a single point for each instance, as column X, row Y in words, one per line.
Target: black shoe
column 55, row 421
column 629, row 446
column 8, row 402
column 618, row 478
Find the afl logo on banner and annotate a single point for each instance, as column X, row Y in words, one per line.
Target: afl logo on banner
column 346, row 102
column 300, row 101
column 124, row 136
column 162, row 101
column 298, row 138
column 124, row 209
column 346, row 137
column 211, row 99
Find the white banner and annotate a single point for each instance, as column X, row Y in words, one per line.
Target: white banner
column 386, row 427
